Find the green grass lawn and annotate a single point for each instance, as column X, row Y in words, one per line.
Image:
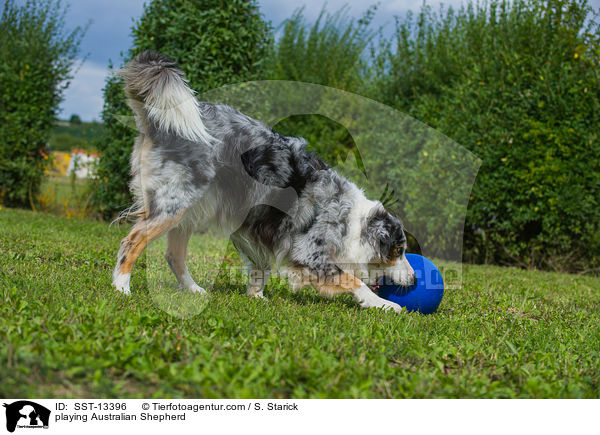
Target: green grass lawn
column 66, row 333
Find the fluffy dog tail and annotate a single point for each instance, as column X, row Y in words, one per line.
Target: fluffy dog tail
column 158, row 92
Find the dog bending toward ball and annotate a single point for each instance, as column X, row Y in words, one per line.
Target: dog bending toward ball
column 197, row 165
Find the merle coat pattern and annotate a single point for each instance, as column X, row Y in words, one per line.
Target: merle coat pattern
column 197, row 164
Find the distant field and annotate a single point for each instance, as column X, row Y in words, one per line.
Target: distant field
column 72, row 136
column 63, row 195
column 66, row 333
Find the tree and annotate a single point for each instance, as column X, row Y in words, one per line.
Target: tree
column 75, row 119
column 36, row 58
column 215, row 42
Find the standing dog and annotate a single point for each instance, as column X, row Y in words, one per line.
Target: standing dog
column 196, row 165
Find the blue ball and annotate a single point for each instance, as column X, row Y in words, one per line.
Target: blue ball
column 425, row 296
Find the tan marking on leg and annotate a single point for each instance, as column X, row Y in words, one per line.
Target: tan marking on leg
column 143, row 233
column 329, row 286
column 342, row 283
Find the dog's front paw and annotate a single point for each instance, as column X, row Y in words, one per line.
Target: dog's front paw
column 367, row 299
column 121, row 283
column 259, row 295
column 195, row 288
column 391, row 306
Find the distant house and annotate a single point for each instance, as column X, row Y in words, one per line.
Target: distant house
column 82, row 163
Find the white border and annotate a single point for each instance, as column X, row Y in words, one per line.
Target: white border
column 335, row 417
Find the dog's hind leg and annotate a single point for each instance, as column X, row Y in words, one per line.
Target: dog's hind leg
column 142, row 233
column 177, row 243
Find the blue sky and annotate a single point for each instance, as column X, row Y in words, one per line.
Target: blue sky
column 111, row 21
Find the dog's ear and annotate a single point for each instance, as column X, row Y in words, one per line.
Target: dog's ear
column 412, row 244
column 386, row 235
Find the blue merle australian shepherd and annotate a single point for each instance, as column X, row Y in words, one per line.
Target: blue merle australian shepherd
column 197, row 165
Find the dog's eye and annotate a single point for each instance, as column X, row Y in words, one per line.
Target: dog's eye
column 398, row 251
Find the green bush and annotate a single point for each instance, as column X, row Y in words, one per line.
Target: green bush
column 111, row 192
column 36, row 56
column 215, row 42
column 329, row 52
column 518, row 84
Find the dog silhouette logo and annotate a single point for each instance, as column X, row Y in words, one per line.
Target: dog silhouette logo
column 26, row 414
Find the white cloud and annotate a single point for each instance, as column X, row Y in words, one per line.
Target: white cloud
column 84, row 95
column 276, row 10
column 398, row 7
